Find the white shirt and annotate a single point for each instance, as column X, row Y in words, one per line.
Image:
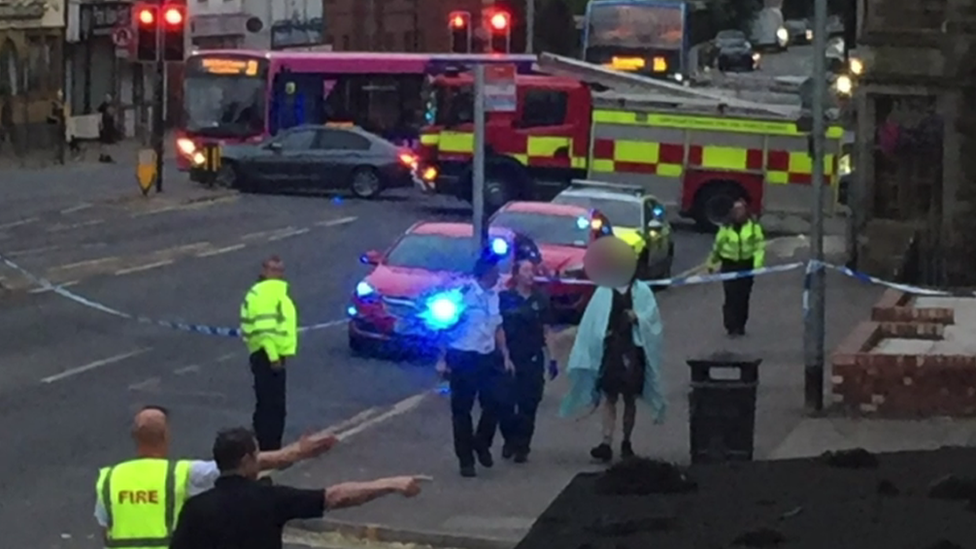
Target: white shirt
column 203, row 474
column 479, row 321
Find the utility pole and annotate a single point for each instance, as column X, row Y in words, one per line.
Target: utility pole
column 478, row 167
column 814, row 320
column 529, row 26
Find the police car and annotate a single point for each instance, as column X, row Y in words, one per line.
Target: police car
column 637, row 218
column 412, row 296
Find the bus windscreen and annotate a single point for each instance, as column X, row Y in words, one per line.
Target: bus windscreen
column 635, row 26
column 225, row 96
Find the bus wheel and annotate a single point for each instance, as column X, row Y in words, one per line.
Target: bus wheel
column 713, row 203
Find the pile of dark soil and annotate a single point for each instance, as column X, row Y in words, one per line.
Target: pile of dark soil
column 642, row 477
column 854, row 500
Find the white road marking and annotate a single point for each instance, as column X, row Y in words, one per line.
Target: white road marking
column 64, row 285
column 29, row 251
column 350, row 423
column 262, row 234
column 13, row 224
column 141, row 268
column 336, row 222
column 398, row 409
column 62, row 228
column 219, row 251
column 183, row 248
column 225, row 358
column 151, row 383
column 92, row 365
column 78, row 208
column 85, row 263
column 191, row 369
column 283, row 236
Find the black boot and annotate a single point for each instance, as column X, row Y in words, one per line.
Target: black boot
column 603, row 453
column 626, row 450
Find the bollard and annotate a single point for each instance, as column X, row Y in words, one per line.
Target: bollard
column 722, row 407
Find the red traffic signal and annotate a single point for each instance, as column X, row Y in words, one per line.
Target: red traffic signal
column 147, row 17
column 459, row 20
column 500, row 21
column 173, row 16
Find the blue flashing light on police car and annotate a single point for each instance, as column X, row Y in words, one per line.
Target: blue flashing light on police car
column 352, row 311
column 363, row 289
column 443, row 310
column 583, row 223
column 499, row 246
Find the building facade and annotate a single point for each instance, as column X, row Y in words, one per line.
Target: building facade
column 31, row 34
column 256, row 24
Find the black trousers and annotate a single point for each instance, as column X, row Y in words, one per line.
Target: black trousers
column 735, row 310
column 475, row 376
column 523, row 400
column 270, row 408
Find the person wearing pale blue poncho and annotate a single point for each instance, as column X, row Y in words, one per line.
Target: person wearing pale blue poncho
column 618, row 349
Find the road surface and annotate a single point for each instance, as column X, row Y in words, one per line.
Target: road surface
column 71, row 375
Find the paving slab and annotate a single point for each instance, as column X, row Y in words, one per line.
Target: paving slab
column 497, row 508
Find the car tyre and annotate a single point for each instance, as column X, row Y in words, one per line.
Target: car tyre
column 361, row 347
column 366, row 183
column 227, row 177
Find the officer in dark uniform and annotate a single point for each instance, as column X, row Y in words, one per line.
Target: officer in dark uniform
column 526, row 318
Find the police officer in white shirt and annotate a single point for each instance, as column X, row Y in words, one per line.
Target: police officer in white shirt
column 477, row 363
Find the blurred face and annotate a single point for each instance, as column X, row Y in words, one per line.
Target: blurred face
column 490, row 278
column 739, row 211
column 525, row 275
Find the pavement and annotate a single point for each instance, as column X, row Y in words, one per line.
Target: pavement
column 497, row 509
column 71, row 376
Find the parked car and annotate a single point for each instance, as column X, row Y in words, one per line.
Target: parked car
column 311, row 157
column 734, row 52
column 799, row 31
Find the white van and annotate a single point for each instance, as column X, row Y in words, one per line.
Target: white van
column 768, row 30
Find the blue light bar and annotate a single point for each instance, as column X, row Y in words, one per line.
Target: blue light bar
column 499, row 246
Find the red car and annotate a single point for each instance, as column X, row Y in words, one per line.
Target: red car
column 562, row 233
column 392, row 307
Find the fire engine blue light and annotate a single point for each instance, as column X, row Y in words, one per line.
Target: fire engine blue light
column 583, row 223
column 363, row 289
column 499, row 246
column 442, row 311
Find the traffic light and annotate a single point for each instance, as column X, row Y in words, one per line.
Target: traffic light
column 174, row 32
column 459, row 24
column 500, row 29
column 147, row 26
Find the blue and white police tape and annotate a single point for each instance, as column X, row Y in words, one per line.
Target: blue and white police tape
column 690, row 280
column 203, row 329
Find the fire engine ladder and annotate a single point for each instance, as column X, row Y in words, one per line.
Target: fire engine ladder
column 626, row 82
column 690, row 105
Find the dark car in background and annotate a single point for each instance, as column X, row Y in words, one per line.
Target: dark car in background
column 734, row 52
column 314, row 158
column 799, row 30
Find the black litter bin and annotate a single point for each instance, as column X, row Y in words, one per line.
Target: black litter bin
column 722, row 407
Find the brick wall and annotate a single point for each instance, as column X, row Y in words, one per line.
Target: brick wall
column 887, row 385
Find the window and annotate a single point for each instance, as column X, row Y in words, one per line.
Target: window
column 408, row 41
column 297, row 140
column 38, row 62
column 53, row 46
column 389, row 42
column 544, row 108
column 338, row 140
column 345, row 42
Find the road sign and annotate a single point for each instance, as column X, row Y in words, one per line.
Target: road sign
column 122, row 37
column 500, row 91
column 146, row 170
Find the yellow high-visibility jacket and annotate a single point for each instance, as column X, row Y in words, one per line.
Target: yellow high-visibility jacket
column 269, row 320
column 742, row 244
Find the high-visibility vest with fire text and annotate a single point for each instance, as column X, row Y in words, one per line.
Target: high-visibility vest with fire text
column 142, row 499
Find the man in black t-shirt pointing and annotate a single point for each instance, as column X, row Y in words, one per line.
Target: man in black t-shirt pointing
column 241, row 513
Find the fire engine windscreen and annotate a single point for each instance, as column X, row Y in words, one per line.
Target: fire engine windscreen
column 636, row 26
column 225, row 97
column 453, row 105
column 556, row 230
